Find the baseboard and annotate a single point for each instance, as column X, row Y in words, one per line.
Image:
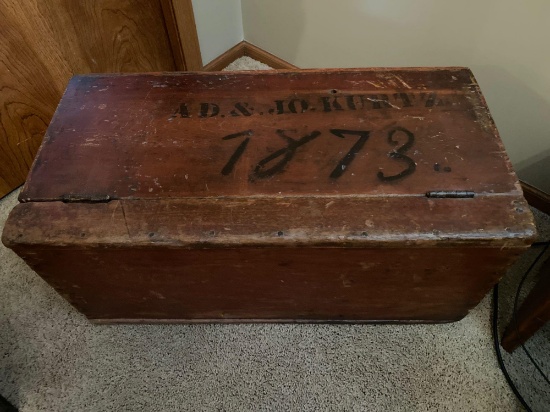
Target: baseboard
column 265, row 57
column 536, row 198
column 226, row 58
column 247, row 49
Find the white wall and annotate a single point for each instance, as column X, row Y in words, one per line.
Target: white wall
column 505, row 43
column 219, row 26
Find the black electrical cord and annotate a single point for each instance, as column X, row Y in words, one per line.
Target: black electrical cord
column 495, row 330
column 535, row 364
column 499, row 354
column 514, row 319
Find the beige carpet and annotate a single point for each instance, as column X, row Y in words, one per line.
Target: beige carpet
column 52, row 359
column 246, row 63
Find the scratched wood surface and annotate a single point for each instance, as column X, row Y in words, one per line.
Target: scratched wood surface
column 281, row 196
column 324, row 132
column 271, row 284
column 44, row 42
column 495, row 221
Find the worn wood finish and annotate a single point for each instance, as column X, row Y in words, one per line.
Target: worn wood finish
column 292, row 284
column 226, row 126
column 352, row 222
column 331, row 195
column 43, row 43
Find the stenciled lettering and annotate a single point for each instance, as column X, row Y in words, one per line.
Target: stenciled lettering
column 323, row 104
column 209, row 110
column 241, row 109
column 331, row 103
column 182, row 111
column 303, row 105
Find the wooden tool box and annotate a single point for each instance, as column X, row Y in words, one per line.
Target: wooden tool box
column 315, row 195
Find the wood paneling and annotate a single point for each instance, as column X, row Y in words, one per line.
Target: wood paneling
column 44, row 42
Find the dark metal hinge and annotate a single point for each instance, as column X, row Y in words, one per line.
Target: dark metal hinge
column 450, row 194
column 85, row 199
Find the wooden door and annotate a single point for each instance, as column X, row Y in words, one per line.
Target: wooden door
column 44, row 42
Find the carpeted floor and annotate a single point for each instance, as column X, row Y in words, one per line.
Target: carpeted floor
column 246, row 63
column 52, row 359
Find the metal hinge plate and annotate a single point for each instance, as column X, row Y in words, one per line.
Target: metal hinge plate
column 450, row 194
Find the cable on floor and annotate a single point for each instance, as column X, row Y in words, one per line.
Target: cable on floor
column 499, row 354
column 515, row 311
column 495, row 329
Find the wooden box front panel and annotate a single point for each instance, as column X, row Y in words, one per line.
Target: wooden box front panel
column 266, row 284
column 196, row 260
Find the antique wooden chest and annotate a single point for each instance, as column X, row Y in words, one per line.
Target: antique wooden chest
column 308, row 196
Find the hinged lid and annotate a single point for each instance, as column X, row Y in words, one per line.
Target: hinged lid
column 311, row 135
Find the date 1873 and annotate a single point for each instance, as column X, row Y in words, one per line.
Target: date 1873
column 276, row 162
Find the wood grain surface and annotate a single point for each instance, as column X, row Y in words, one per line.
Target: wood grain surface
column 151, row 284
column 180, row 24
column 185, row 261
column 318, row 195
column 497, row 221
column 43, row 43
column 332, row 132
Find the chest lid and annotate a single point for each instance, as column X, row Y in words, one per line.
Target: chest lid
column 373, row 137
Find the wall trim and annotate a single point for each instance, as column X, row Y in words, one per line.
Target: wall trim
column 245, row 48
column 179, row 20
column 224, row 59
column 536, row 197
column 265, row 57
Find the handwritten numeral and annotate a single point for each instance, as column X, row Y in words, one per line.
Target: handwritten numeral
column 399, row 155
column 280, row 158
column 287, row 153
column 348, row 158
column 228, row 168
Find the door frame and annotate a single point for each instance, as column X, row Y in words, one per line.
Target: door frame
column 180, row 24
